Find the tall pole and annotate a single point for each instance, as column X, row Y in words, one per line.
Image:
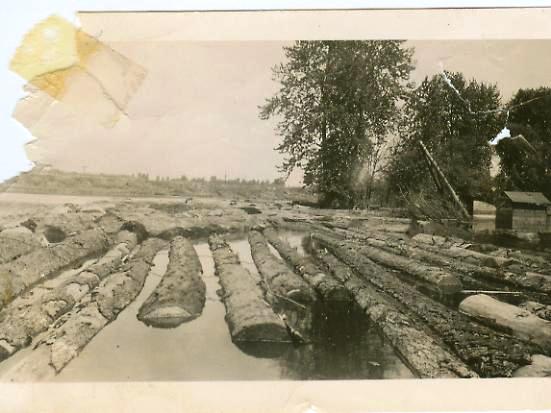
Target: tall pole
column 445, row 181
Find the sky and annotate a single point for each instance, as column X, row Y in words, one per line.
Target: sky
column 196, row 111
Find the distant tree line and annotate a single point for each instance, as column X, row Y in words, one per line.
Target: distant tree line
column 349, row 116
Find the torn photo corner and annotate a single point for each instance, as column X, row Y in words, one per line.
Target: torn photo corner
column 359, row 202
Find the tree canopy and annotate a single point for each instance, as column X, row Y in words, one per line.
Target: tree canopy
column 455, row 118
column 527, row 168
column 336, row 106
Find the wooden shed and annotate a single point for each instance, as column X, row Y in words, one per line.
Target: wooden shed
column 524, row 212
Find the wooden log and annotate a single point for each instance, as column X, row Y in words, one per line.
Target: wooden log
column 180, row 295
column 488, row 352
column 444, row 281
column 330, row 290
column 32, row 313
column 420, row 351
column 286, row 291
column 522, row 323
column 67, row 336
column 15, row 242
column 39, row 264
column 541, row 310
column 540, row 367
column 524, row 279
column 248, row 315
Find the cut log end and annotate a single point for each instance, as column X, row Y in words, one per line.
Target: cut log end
column 268, row 332
column 167, row 317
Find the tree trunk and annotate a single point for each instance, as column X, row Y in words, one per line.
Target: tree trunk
column 488, row 352
column 522, row 323
column 329, row 289
column 180, row 295
column 66, row 338
column 25, row 271
column 444, row 281
column 249, row 316
column 423, row 355
column 34, row 311
column 286, row 291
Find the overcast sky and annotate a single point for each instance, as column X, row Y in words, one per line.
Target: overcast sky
column 196, row 113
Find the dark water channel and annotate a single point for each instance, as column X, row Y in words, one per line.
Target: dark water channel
column 346, row 345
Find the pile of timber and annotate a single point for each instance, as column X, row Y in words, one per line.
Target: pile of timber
column 331, row 291
column 490, row 353
column 425, row 357
column 34, row 311
column 249, row 317
column 180, row 295
column 25, row 271
column 287, row 292
column 67, row 336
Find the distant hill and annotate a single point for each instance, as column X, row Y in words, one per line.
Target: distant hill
column 53, row 181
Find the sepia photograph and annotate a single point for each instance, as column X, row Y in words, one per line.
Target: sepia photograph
column 254, row 210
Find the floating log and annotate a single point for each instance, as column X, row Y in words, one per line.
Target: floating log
column 448, row 249
column 541, row 310
column 67, row 336
column 249, row 317
column 329, row 289
column 527, row 280
column 15, row 242
column 180, row 295
column 444, row 281
column 33, row 312
column 488, row 352
column 540, row 367
column 421, row 352
column 522, row 323
column 23, row 272
column 286, row 291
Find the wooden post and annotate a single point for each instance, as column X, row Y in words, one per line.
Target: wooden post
column 446, row 183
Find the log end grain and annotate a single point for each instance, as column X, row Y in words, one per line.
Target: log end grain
column 167, row 317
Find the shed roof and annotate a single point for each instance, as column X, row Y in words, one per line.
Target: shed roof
column 533, row 198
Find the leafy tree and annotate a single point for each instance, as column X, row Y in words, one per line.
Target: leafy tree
column 337, row 103
column 527, row 167
column 455, row 119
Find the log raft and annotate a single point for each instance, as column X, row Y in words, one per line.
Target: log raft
column 25, row 271
column 488, row 352
column 181, row 294
column 425, row 357
column 249, row 317
column 287, row 292
column 330, row 290
column 31, row 313
column 66, row 337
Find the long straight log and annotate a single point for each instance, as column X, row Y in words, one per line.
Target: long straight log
column 248, row 315
column 423, row 355
column 329, row 289
column 286, row 291
column 521, row 322
column 23, row 272
column 66, row 337
column 443, row 280
column 180, row 295
column 32, row 313
column 490, row 353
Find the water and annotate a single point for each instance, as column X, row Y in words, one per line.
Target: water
column 347, row 346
